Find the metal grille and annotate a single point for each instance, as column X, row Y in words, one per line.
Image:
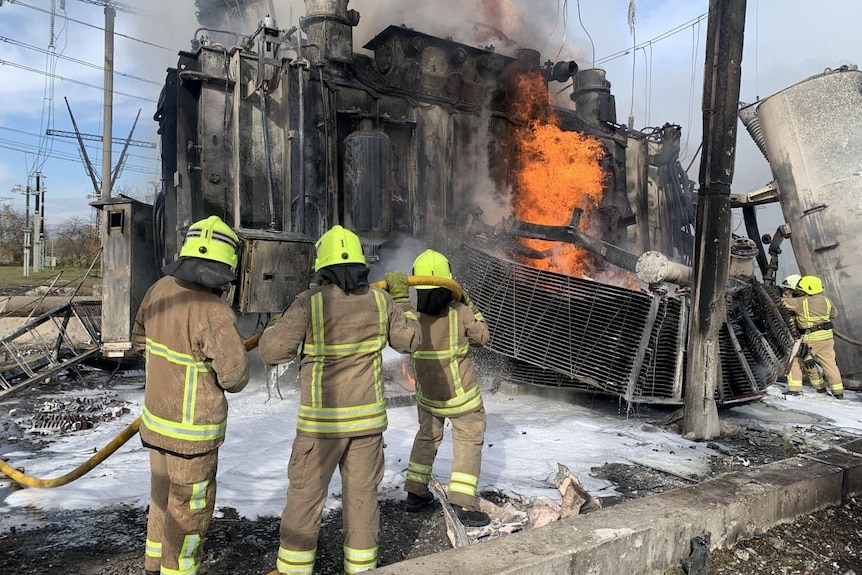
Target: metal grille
column 43, row 347
column 589, row 335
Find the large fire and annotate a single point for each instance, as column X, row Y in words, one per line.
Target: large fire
column 556, row 172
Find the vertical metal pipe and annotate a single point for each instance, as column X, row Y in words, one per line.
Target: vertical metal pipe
column 108, row 106
column 264, row 118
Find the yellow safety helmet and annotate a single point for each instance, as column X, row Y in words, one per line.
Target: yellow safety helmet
column 791, row 281
column 338, row 246
column 431, row 263
column 211, row 239
column 811, row 285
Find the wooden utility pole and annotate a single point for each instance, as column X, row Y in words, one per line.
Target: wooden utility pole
column 712, row 239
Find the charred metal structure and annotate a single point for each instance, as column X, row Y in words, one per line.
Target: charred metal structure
column 288, row 132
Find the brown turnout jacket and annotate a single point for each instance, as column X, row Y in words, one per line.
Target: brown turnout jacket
column 342, row 336
column 446, row 383
column 811, row 311
column 194, row 353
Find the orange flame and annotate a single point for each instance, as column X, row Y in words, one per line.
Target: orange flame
column 410, row 381
column 556, row 172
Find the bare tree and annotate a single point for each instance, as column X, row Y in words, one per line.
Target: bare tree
column 75, row 239
column 12, row 224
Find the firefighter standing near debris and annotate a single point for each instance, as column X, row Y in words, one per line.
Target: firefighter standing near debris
column 194, row 353
column 447, row 387
column 343, row 326
column 812, row 313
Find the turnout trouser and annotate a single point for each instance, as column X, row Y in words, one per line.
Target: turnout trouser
column 468, row 436
column 312, row 463
column 182, row 499
column 824, row 352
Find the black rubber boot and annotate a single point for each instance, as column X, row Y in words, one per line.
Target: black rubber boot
column 838, row 396
column 471, row 518
column 416, row 502
column 820, row 389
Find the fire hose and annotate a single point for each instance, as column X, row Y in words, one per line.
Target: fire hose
column 132, row 429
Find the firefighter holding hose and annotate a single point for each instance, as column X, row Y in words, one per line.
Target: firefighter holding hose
column 194, row 354
column 447, row 388
column 340, row 329
column 812, row 313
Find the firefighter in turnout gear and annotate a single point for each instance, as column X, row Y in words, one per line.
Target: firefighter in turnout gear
column 339, row 329
column 194, row 354
column 812, row 313
column 447, row 387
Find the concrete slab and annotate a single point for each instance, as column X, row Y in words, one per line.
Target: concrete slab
column 647, row 536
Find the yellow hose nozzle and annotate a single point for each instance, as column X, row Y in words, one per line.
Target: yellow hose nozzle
column 438, row 281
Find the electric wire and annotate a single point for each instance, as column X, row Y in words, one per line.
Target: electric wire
column 58, row 77
column 70, row 143
column 659, row 38
column 68, row 157
column 77, row 61
column 126, row 36
column 695, row 43
column 587, row 32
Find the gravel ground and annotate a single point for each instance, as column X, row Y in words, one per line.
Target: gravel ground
column 109, row 541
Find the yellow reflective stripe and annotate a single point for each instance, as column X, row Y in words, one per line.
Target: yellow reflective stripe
column 153, row 549
column 454, row 368
column 315, row 418
column 311, row 426
column 190, row 384
column 342, row 413
column 463, row 483
column 295, row 562
column 317, row 339
column 464, row 403
column 341, row 349
column 176, row 357
column 198, row 499
column 432, row 354
column 812, row 320
column 358, row 560
column 418, row 472
column 188, row 432
column 186, row 560
column 408, row 313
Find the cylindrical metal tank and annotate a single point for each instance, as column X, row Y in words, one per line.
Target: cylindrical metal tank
column 813, row 136
column 592, row 97
column 329, row 26
column 367, row 182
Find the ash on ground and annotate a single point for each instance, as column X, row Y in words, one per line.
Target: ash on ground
column 109, row 541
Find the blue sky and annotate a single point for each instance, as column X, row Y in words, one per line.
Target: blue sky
column 786, row 42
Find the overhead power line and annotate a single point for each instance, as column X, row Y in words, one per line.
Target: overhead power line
column 34, row 70
column 642, row 45
column 25, row 5
column 75, row 60
column 67, row 143
column 118, row 6
column 28, row 149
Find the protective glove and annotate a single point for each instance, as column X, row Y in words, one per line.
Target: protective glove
column 397, row 284
column 808, row 359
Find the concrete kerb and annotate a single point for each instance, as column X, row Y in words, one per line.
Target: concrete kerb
column 646, row 536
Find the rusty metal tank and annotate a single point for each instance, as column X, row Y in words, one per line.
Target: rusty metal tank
column 813, row 137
